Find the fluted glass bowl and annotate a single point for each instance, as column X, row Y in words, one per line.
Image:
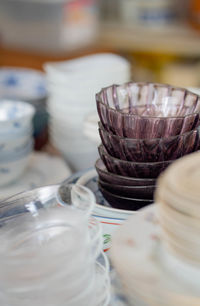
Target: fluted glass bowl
column 140, row 192
column 147, row 110
column 132, row 169
column 116, row 179
column 126, row 203
column 150, row 150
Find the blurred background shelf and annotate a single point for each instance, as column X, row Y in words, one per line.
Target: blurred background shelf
column 177, row 39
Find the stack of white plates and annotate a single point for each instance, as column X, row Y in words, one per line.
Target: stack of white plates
column 156, row 252
column 72, row 86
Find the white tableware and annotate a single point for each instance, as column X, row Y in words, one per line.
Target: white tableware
column 14, row 142
column 72, row 88
column 78, row 69
column 143, row 264
column 91, row 128
column 42, row 170
column 15, row 116
column 13, row 166
column 79, row 157
column 22, row 84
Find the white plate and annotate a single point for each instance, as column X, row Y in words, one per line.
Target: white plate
column 140, row 259
column 43, row 170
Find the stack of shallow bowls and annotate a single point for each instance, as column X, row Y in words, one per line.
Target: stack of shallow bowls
column 51, row 249
column 16, row 141
column 179, row 213
column 144, row 128
column 72, row 86
column 27, row 85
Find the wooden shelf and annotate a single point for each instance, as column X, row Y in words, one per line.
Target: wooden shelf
column 177, row 39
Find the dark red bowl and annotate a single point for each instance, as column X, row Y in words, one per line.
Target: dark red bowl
column 140, row 192
column 150, row 150
column 123, row 202
column 115, row 179
column 147, row 110
column 132, row 169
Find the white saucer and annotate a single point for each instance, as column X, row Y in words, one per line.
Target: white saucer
column 43, row 170
column 137, row 255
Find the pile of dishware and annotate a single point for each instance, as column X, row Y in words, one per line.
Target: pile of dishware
column 27, row 85
column 16, row 141
column 156, row 253
column 179, row 213
column 72, row 86
column 51, row 249
column 144, row 127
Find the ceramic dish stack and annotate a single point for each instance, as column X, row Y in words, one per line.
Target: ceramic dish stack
column 179, row 214
column 156, row 253
column 51, row 249
column 144, row 127
column 72, row 86
column 16, row 141
column 27, row 85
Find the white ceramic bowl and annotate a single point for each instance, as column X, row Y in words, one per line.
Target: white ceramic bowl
column 14, row 142
column 15, row 116
column 100, row 64
column 22, row 83
column 12, row 167
column 80, row 159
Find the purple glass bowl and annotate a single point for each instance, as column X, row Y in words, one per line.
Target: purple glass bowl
column 150, row 150
column 140, row 192
column 132, row 169
column 124, row 202
column 115, row 179
column 147, row 110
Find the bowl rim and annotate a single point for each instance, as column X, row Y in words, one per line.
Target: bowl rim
column 99, row 101
column 124, row 198
column 101, row 147
column 29, row 110
column 118, row 175
column 124, row 186
column 101, row 128
column 89, row 174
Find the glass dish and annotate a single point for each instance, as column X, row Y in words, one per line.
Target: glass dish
column 132, row 169
column 150, row 150
column 116, row 179
column 147, row 110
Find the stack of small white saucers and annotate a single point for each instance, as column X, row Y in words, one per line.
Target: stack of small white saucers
column 72, row 86
column 156, row 253
column 16, row 141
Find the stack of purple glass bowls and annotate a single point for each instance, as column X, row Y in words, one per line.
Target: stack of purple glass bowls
column 144, row 127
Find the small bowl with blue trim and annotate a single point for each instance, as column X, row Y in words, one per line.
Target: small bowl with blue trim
column 13, row 165
column 15, row 116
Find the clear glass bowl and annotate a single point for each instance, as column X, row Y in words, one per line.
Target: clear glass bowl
column 132, row 169
column 116, row 179
column 152, row 149
column 147, row 110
